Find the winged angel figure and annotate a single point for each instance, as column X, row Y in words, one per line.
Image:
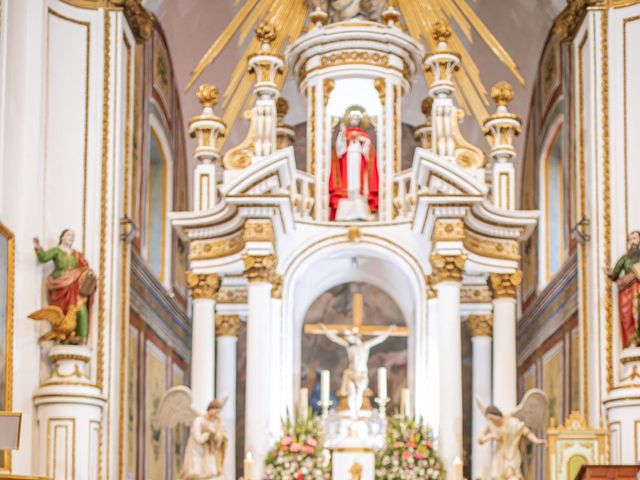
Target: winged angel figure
column 508, row 431
column 207, row 444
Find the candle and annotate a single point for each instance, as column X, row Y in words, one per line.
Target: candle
column 248, row 466
column 304, row 403
column 405, row 405
column 325, row 380
column 382, row 383
column 457, row 468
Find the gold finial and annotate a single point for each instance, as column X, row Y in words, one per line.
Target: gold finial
column 282, row 107
column 441, row 31
column 427, row 105
column 502, row 93
column 208, row 95
column 391, row 15
column 266, row 32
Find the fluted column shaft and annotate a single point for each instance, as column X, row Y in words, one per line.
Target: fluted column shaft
column 433, row 360
column 504, row 287
column 227, row 327
column 203, row 352
column 480, row 327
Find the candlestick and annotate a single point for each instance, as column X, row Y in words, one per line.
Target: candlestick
column 248, row 466
column 405, row 402
column 457, row 468
column 304, row 403
column 382, row 382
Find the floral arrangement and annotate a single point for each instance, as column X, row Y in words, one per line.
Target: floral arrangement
column 408, row 452
column 299, row 454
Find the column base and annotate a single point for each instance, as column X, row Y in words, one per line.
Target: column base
column 69, row 416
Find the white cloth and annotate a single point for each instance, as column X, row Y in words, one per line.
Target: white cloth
column 200, row 457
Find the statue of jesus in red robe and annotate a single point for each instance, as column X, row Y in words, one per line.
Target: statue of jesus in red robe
column 353, row 182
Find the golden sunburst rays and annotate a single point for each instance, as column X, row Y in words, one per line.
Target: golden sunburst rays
column 289, row 17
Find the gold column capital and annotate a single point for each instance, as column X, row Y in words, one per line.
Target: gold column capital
column 203, row 285
column 480, row 325
column 259, row 268
column 430, row 287
column 447, row 267
column 505, row 285
column 276, row 286
column 227, row 325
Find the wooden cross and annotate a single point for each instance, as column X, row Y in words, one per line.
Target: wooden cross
column 369, row 330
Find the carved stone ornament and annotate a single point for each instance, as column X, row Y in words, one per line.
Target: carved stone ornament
column 266, row 32
column 502, row 93
column 480, row 325
column 227, row 325
column 140, row 20
column 441, row 31
column 203, row 285
column 475, row 294
column 448, row 230
column 429, row 283
column 505, row 285
column 208, row 95
column 276, row 286
column 259, row 268
column 228, row 295
column 258, row 231
column 447, row 268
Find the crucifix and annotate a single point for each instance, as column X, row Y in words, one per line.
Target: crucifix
column 356, row 326
column 355, row 378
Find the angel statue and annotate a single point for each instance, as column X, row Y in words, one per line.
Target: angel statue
column 508, row 431
column 207, row 444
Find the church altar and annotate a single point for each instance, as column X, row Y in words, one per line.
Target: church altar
column 441, row 237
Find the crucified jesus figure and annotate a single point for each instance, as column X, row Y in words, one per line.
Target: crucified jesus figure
column 355, row 378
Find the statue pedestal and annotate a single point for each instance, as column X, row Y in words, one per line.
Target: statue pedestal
column 623, row 408
column 69, row 416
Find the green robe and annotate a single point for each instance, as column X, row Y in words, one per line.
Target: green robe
column 66, row 296
column 625, row 264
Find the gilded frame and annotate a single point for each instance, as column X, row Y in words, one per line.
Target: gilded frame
column 5, row 465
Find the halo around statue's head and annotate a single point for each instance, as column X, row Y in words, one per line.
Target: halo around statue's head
column 356, row 110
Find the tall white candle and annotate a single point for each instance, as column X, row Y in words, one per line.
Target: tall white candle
column 304, row 403
column 325, row 385
column 382, row 383
column 248, row 466
column 457, row 468
column 405, row 406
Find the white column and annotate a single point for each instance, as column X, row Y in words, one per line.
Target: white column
column 278, row 409
column 504, row 339
column 433, row 363
column 480, row 327
column 448, row 275
column 203, row 335
column 227, row 327
column 258, row 386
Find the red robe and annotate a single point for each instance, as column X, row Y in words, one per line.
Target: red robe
column 368, row 173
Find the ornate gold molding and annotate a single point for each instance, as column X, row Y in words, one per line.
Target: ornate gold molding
column 480, row 325
column 259, row 268
column 354, row 234
column 475, row 294
column 567, row 23
column 448, row 230
column 430, row 289
column 380, row 84
column 505, row 285
column 447, row 268
column 258, row 231
column 227, row 325
column 228, row 295
column 488, row 247
column 276, row 286
column 352, row 57
column 210, row 249
column 140, row 21
column 203, row 285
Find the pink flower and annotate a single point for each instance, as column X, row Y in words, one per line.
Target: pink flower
column 307, row 449
column 312, row 441
column 429, row 444
column 406, row 455
column 420, row 456
column 295, row 447
column 411, row 445
column 397, row 444
column 287, row 440
column 284, row 448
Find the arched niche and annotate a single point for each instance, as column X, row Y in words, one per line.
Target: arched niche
column 335, row 306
